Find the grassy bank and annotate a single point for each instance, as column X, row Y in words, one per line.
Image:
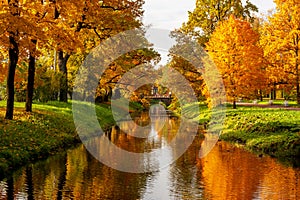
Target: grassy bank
column 275, row 132
column 31, row 136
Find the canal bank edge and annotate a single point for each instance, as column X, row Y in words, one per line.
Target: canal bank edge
column 49, row 129
column 264, row 131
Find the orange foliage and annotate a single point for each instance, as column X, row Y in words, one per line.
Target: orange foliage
column 233, row 47
column 280, row 38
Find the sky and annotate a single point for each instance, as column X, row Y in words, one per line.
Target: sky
column 170, row 14
column 164, row 16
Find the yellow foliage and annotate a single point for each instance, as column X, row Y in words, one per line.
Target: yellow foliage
column 233, row 47
column 280, row 38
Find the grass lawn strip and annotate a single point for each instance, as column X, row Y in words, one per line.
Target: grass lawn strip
column 275, row 132
column 46, row 131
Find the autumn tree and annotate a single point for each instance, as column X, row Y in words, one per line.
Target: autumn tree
column 278, row 72
column 10, row 14
column 200, row 25
column 67, row 24
column 208, row 13
column 111, row 76
column 117, row 67
column 235, row 51
column 280, row 38
column 10, row 11
column 192, row 74
column 18, row 20
column 193, row 62
column 86, row 18
column 3, row 66
column 35, row 39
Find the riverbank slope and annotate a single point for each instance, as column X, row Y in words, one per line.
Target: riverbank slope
column 271, row 131
column 44, row 132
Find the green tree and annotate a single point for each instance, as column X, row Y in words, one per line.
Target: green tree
column 208, row 13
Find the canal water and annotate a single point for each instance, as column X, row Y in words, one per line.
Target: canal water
column 227, row 172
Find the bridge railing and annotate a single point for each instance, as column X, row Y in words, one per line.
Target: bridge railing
column 158, row 97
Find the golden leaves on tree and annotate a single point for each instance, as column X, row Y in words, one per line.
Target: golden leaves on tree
column 233, row 47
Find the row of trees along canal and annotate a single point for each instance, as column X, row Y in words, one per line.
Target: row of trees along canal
column 254, row 55
column 38, row 35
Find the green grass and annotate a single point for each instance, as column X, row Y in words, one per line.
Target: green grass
column 49, row 129
column 275, row 132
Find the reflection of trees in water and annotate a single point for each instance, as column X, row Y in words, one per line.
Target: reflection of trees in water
column 62, row 178
column 157, row 134
column 89, row 179
column 284, row 182
column 75, row 175
column 226, row 173
column 185, row 175
column 37, row 181
column 231, row 173
column 10, row 188
column 29, row 183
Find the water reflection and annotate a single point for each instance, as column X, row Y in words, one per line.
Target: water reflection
column 121, row 150
column 226, row 173
column 230, row 173
column 29, row 182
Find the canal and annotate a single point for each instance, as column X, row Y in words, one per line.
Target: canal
column 227, row 172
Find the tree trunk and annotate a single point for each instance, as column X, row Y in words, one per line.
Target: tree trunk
column 13, row 55
column 62, row 64
column 261, row 95
column 274, row 95
column 297, row 79
column 298, row 92
column 234, row 104
column 31, row 74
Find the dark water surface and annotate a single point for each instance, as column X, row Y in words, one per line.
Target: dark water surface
column 226, row 173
